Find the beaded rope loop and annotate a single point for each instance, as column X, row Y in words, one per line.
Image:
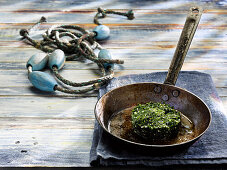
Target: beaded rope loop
column 69, row 42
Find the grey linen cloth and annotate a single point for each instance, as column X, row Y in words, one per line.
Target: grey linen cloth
column 211, row 148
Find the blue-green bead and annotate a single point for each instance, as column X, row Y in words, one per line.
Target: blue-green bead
column 57, row 58
column 102, row 32
column 42, row 81
column 105, row 54
column 37, row 61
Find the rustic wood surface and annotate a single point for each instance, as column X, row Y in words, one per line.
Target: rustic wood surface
column 54, row 129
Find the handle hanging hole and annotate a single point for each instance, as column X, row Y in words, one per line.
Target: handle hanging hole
column 195, row 11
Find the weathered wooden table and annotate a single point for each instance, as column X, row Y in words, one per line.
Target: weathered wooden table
column 54, row 129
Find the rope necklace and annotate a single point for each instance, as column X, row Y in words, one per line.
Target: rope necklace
column 70, row 42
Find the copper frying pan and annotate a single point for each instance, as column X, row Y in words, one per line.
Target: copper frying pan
column 113, row 110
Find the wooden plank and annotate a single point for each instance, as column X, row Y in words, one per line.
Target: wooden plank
column 154, row 64
column 116, row 4
column 17, row 83
column 31, row 91
column 45, row 147
column 79, row 108
column 46, row 123
column 18, row 78
column 222, row 91
column 21, row 56
column 150, row 33
column 224, row 102
column 164, row 45
column 64, row 17
column 15, row 27
column 60, row 109
column 93, row 11
column 136, row 10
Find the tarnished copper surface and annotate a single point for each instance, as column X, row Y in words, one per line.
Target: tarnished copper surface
column 127, row 96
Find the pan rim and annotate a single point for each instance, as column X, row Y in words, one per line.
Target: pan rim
column 148, row 145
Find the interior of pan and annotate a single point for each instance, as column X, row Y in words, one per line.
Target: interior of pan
column 128, row 96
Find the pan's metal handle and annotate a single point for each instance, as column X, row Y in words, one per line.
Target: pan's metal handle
column 184, row 42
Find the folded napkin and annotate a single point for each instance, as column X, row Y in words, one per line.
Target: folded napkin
column 211, row 148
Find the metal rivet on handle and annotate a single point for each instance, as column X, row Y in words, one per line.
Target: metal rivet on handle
column 165, row 97
column 157, row 89
column 176, row 93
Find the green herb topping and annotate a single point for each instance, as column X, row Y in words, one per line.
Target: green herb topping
column 155, row 121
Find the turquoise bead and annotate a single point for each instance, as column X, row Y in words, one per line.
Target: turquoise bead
column 37, row 61
column 102, row 32
column 57, row 58
column 105, row 54
column 42, row 81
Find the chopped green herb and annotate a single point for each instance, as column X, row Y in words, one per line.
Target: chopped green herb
column 155, row 121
